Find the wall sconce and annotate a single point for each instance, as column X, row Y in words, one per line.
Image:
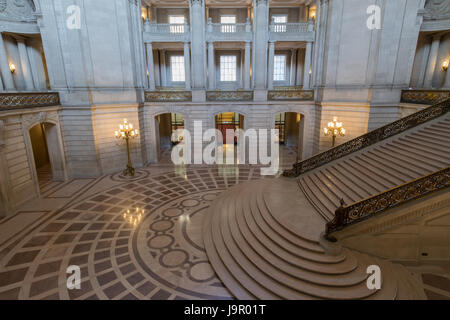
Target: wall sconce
column 334, row 129
column 126, row 132
column 445, row 65
column 12, row 68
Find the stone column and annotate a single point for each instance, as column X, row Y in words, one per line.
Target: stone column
column 162, row 63
column 247, row 66
column 211, row 66
column 34, row 67
column 197, row 15
column 150, row 67
column 307, row 66
column 4, row 67
column 293, row 67
column 25, row 64
column 261, row 12
column 270, row 65
column 187, row 66
column 300, row 61
column 432, row 58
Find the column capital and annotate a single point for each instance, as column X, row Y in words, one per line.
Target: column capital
column 198, row 2
column 261, row 2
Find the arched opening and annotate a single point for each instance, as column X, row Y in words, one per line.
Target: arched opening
column 229, row 121
column 47, row 153
column 166, row 124
column 290, row 126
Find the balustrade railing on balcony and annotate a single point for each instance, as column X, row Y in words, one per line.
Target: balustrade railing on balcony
column 166, row 31
column 229, row 31
column 19, row 100
column 300, row 31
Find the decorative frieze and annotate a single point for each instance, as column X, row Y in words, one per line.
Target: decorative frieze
column 425, row 96
column 229, row 95
column 168, row 96
column 293, row 93
column 9, row 101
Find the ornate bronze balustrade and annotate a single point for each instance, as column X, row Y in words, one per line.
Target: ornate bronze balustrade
column 425, row 96
column 168, row 96
column 370, row 138
column 236, row 95
column 290, row 93
column 347, row 215
column 18, row 100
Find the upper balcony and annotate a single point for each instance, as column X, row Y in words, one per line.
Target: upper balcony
column 166, row 32
column 229, row 31
column 299, row 31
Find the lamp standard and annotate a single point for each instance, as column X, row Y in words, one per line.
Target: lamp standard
column 334, row 129
column 126, row 132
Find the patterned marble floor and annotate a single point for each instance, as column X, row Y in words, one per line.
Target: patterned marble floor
column 161, row 256
column 82, row 223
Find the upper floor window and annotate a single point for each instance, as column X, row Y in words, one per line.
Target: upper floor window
column 279, row 68
column 177, row 24
column 177, row 68
column 227, row 68
column 228, row 23
column 279, row 22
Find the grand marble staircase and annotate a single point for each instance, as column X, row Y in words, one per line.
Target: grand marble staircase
column 264, row 241
column 392, row 162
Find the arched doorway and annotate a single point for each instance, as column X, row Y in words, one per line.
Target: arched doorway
column 290, row 126
column 166, row 125
column 229, row 121
column 48, row 157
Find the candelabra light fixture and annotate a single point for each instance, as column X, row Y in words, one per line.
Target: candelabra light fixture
column 445, row 65
column 133, row 217
column 12, row 68
column 334, row 129
column 126, row 132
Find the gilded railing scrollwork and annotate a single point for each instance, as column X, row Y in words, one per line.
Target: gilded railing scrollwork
column 346, row 215
column 19, row 100
column 370, row 138
column 168, row 96
column 425, row 96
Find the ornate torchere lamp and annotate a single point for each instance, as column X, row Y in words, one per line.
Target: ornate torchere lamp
column 127, row 132
column 334, row 129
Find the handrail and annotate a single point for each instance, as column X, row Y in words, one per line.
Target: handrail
column 369, row 138
column 289, row 27
column 363, row 209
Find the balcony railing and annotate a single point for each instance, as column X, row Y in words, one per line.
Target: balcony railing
column 424, row 96
column 295, row 93
column 229, row 31
column 19, row 100
column 168, row 95
column 301, row 31
column 167, row 32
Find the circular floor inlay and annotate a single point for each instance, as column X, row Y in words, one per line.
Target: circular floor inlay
column 159, row 242
column 201, row 272
column 161, row 225
column 172, row 212
column 190, row 203
column 174, row 258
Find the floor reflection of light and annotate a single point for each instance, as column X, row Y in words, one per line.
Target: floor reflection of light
column 133, row 217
